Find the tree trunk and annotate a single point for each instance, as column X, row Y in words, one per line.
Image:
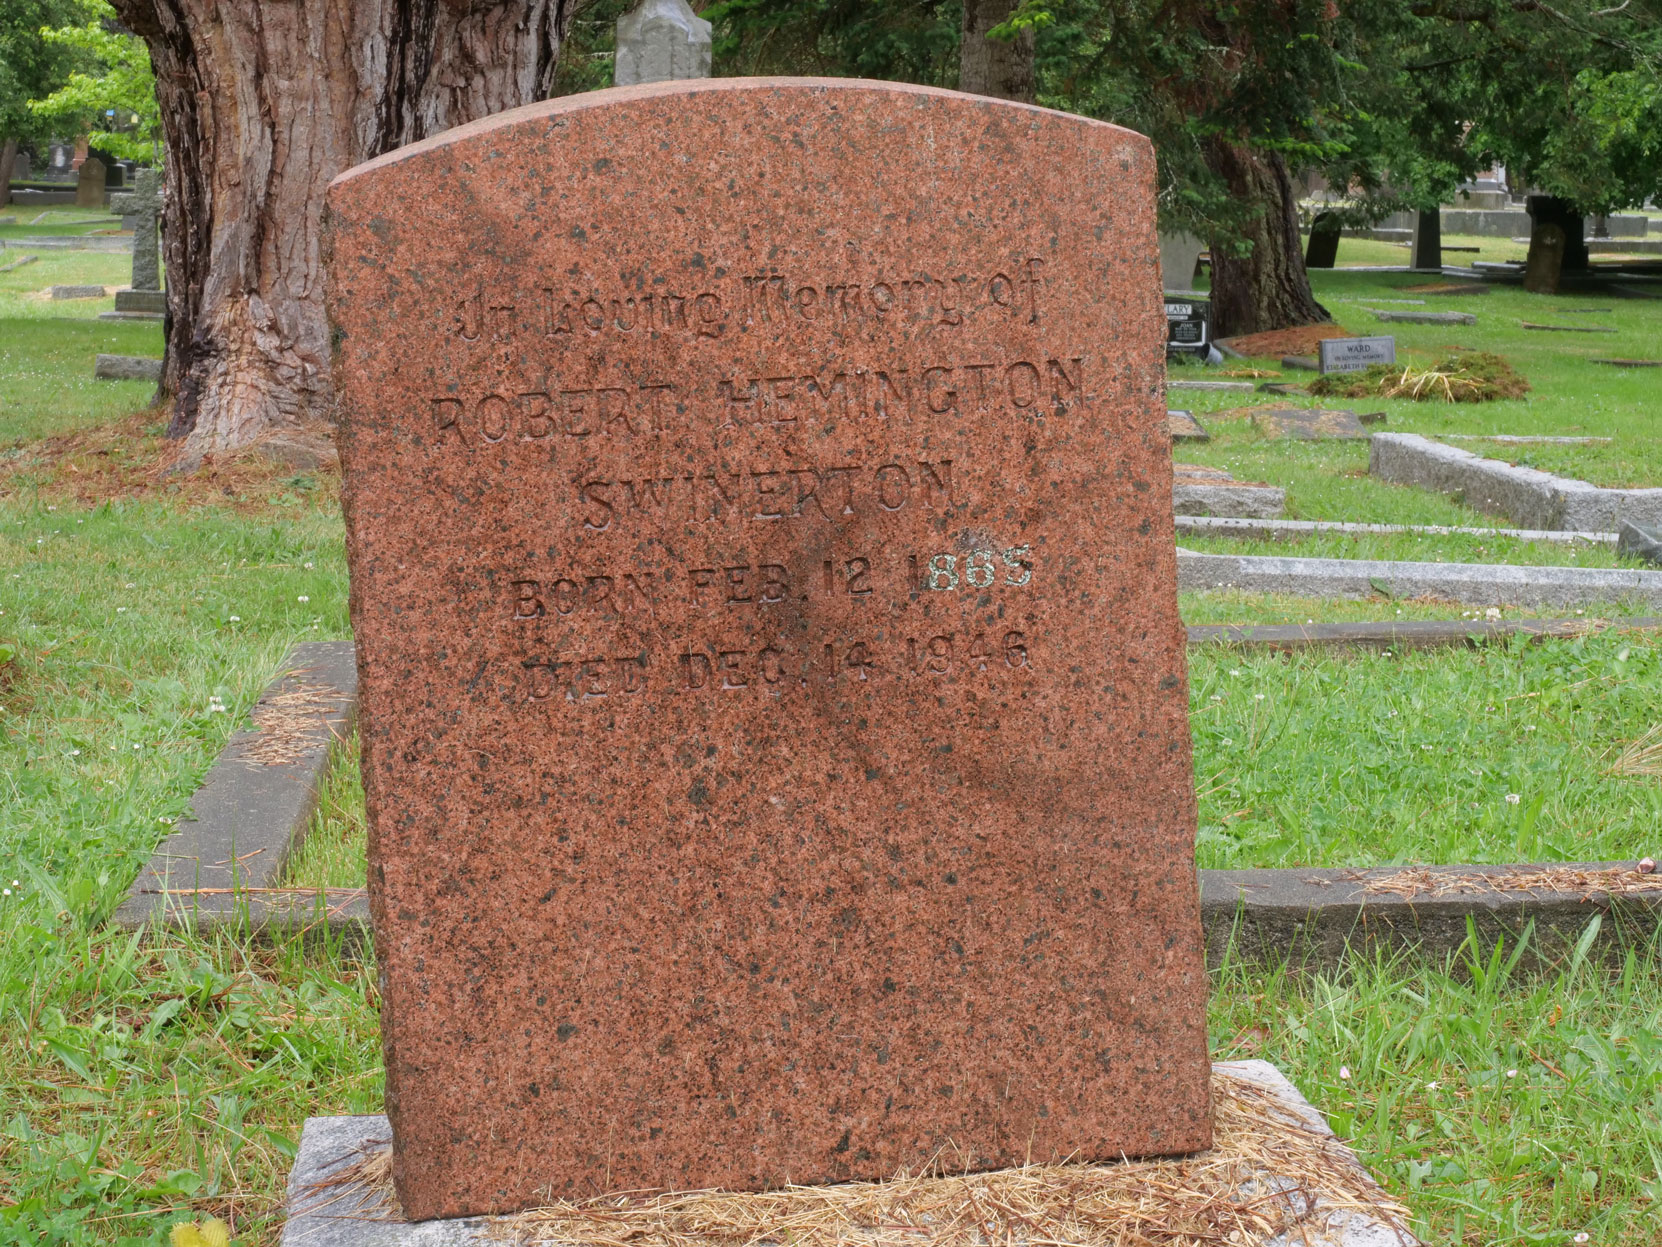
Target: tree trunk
column 1269, row 287
column 262, row 104
column 996, row 67
column 8, row 161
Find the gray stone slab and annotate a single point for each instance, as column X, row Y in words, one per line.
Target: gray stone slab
column 77, row 292
column 325, row 1212
column 126, row 368
column 1630, row 363
column 1527, row 324
column 1423, row 318
column 252, row 810
column 132, row 316
column 1212, row 491
column 147, row 205
column 18, row 263
column 1208, row 385
column 1525, row 439
column 1530, row 498
column 1406, row 634
column 70, row 242
column 1476, row 584
column 1309, row 424
column 1301, row 363
column 1355, row 354
column 1292, row 530
column 141, row 300
column 1183, row 427
column 1313, row 917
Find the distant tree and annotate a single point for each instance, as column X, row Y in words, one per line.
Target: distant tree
column 113, row 98
column 261, row 105
column 31, row 68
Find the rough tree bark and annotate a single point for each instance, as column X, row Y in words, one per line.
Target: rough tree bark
column 262, row 104
column 8, row 161
column 997, row 67
column 1268, row 288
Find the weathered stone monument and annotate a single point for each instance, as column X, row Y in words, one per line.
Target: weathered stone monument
column 773, row 697
column 1322, row 251
column 89, row 183
column 661, row 40
column 145, row 299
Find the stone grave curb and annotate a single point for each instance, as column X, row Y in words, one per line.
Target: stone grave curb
column 246, row 811
column 1239, row 499
column 323, row 1211
column 126, row 367
column 1275, row 530
column 1531, row 498
column 1310, row 917
column 1408, row 634
column 250, row 816
column 1479, row 584
column 69, row 242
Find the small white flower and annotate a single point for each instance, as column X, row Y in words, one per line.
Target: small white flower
column 236, row 618
column 1234, row 671
column 74, row 753
column 15, row 883
column 121, row 610
column 1427, row 748
column 1344, row 1072
column 129, row 585
column 1432, row 1085
column 1492, row 613
column 1581, row 1237
column 1511, row 1073
column 1227, row 741
column 164, row 819
column 136, row 745
column 303, row 598
column 5, row 891
column 1217, row 697
column 51, row 508
column 1257, row 697
column 1529, row 727
column 1513, row 798
column 307, row 566
column 1390, row 714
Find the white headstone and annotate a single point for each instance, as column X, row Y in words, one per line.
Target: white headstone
column 658, row 40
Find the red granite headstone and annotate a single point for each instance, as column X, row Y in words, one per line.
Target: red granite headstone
column 773, row 696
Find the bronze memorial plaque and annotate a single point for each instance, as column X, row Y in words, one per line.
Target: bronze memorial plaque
column 774, row 711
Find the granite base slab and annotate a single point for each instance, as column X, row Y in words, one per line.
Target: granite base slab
column 325, row 1211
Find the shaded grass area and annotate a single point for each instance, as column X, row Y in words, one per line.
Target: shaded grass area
column 333, row 852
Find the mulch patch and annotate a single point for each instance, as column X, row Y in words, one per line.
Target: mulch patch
column 130, row 458
column 1301, row 340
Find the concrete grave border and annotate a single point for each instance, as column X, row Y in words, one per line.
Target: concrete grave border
column 250, row 819
column 1278, row 530
column 251, row 813
column 1532, row 499
column 1477, row 584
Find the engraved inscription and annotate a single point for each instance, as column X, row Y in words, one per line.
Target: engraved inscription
column 539, row 415
column 764, row 495
column 1051, row 384
column 550, row 310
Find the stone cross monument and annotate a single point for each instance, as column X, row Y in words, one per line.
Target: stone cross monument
column 658, row 40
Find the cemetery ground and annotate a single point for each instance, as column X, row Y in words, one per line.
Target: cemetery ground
column 143, row 1080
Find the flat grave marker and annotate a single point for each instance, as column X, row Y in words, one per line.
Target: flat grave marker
column 773, row 696
column 1355, row 354
column 1425, row 318
column 1309, row 424
column 1185, row 428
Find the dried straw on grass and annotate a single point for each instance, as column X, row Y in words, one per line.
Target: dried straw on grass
column 286, row 722
column 1423, row 881
column 1642, row 757
column 1269, row 1174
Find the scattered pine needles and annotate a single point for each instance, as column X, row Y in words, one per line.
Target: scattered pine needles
column 1270, row 1173
column 1416, row 881
column 1463, row 377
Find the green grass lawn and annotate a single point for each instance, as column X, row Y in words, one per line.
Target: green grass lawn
column 1569, row 396
column 140, row 1082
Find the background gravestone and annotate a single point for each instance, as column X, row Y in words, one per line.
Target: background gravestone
column 147, row 203
column 1322, row 251
column 773, row 697
column 1426, row 245
column 661, row 40
column 89, row 184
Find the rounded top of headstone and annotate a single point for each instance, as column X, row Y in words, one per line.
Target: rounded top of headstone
column 666, row 103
